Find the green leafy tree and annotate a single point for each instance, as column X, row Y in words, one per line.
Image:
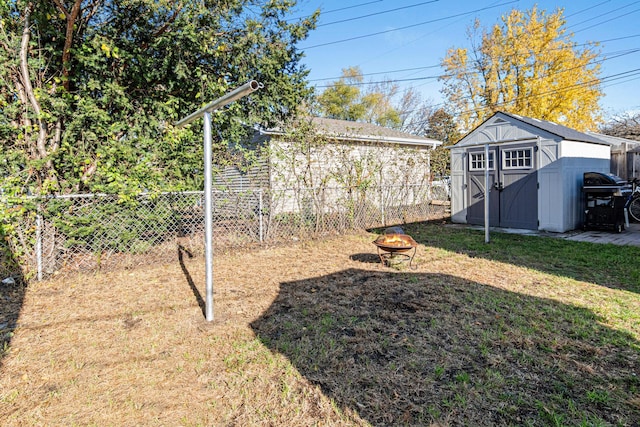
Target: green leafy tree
column 527, row 64
column 344, row 100
column 91, row 87
column 442, row 127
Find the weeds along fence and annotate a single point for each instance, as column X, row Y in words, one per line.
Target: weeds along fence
column 56, row 236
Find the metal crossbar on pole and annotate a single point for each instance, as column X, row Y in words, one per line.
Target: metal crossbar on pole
column 244, row 90
column 205, row 112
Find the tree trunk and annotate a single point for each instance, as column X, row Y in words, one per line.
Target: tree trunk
column 39, row 150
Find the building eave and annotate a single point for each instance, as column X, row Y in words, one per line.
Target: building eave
column 422, row 142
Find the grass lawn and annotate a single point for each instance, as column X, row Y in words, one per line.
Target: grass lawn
column 522, row 331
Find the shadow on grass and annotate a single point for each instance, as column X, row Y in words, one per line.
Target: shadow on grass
column 366, row 258
column 12, row 292
column 608, row 265
column 414, row 349
column 196, row 293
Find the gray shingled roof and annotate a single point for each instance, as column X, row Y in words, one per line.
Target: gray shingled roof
column 614, row 140
column 345, row 127
column 349, row 130
column 559, row 130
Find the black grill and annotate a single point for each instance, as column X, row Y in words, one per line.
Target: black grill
column 605, row 196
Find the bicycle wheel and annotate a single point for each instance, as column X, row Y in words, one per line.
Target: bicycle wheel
column 634, row 208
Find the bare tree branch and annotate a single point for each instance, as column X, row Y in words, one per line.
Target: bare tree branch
column 28, row 88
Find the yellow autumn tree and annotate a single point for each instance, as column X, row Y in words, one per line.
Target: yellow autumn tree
column 527, row 64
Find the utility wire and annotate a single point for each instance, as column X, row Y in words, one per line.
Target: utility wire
column 439, row 65
column 606, row 13
column 407, row 26
column 377, row 13
column 608, row 20
column 336, row 10
column 588, row 8
column 605, row 81
column 576, row 13
column 450, row 17
column 380, row 72
column 611, row 55
column 584, row 85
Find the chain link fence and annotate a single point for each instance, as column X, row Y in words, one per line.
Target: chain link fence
column 56, row 236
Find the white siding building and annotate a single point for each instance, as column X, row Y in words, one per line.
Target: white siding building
column 336, row 154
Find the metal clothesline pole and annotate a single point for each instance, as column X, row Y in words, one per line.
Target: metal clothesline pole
column 486, row 193
column 205, row 112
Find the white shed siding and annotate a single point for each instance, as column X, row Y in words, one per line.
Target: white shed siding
column 332, row 165
column 584, row 150
column 458, row 187
column 550, row 193
column 576, row 159
column 560, row 206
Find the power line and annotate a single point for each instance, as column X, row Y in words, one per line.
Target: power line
column 407, row 26
column 611, row 55
column 377, row 13
column 608, row 20
column 585, row 85
column 435, row 30
column 588, row 8
column 336, row 10
column 604, row 81
column 351, row 7
column 606, row 13
column 381, row 72
column 434, row 66
column 439, row 65
column 557, row 48
column 415, row 79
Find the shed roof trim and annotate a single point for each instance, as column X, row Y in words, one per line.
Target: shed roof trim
column 564, row 132
column 614, row 140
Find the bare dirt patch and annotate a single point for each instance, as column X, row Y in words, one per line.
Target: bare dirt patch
column 318, row 333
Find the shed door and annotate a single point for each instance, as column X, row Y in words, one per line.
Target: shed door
column 513, row 196
column 475, row 168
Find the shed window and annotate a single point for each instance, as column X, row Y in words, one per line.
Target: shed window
column 520, row 158
column 476, row 161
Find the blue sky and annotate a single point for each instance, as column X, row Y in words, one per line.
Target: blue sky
column 412, row 36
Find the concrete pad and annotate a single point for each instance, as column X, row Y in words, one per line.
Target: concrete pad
column 629, row 237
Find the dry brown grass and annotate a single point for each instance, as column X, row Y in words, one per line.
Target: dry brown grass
column 318, row 333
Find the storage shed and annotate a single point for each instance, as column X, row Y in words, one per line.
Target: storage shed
column 536, row 170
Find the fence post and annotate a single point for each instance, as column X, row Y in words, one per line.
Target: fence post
column 39, row 243
column 260, row 216
column 382, row 206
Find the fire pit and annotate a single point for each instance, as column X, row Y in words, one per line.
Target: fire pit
column 393, row 248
